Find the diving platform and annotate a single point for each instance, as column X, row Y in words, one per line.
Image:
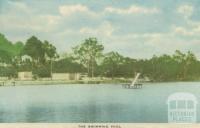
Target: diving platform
column 134, row 84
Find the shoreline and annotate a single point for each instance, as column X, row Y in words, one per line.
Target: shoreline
column 57, row 82
column 69, row 82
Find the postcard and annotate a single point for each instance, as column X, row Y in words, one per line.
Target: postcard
column 99, row 63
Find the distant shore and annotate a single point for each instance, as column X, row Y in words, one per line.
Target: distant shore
column 67, row 82
column 57, row 82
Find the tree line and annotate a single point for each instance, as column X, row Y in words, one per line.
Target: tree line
column 42, row 58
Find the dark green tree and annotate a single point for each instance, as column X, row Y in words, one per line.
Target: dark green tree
column 34, row 48
column 111, row 63
column 50, row 53
column 88, row 53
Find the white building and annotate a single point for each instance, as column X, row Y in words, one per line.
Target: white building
column 26, row 57
column 25, row 75
column 66, row 76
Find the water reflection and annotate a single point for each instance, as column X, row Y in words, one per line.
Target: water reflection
column 87, row 104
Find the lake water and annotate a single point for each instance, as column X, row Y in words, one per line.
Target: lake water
column 90, row 103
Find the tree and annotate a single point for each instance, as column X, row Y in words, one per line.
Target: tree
column 111, row 63
column 67, row 64
column 190, row 61
column 88, row 52
column 34, row 49
column 50, row 53
column 185, row 61
column 18, row 47
column 5, row 57
column 8, row 50
column 6, row 45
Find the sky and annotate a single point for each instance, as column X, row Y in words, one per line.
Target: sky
column 134, row 28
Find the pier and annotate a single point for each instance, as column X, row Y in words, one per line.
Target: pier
column 4, row 83
column 134, row 85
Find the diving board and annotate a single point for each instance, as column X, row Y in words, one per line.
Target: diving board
column 134, row 84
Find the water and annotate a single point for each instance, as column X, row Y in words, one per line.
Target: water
column 90, row 103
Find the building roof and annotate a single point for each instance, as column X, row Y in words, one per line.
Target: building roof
column 181, row 96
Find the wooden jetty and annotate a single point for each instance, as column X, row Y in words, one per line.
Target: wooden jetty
column 134, row 85
column 6, row 83
column 2, row 83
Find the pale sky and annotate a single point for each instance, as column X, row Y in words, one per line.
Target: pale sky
column 134, row 28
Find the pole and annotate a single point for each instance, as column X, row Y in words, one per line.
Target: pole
column 51, row 69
